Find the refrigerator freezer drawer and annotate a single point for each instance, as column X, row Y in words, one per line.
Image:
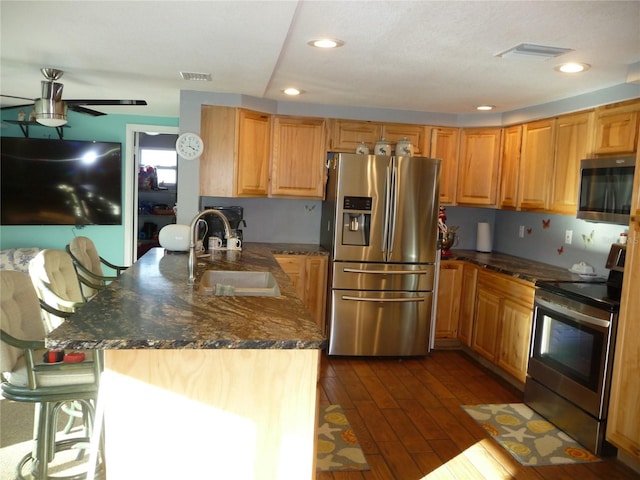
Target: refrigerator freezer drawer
column 383, row 276
column 379, row 323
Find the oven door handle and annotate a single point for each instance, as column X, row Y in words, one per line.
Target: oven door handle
column 576, row 316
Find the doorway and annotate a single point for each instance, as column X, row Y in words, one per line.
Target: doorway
column 156, row 144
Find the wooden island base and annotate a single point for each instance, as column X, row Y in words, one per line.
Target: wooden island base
column 207, row 413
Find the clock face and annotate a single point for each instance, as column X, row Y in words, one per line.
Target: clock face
column 189, row 146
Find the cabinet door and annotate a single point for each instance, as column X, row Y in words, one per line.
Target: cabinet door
column 217, row 163
column 467, row 303
column 293, row 266
column 510, row 167
column 308, row 274
column 444, row 145
column 624, row 408
column 346, row 135
column 448, row 308
column 617, row 128
column 515, row 334
column 315, row 291
column 536, row 165
column 298, row 157
column 416, row 134
column 478, row 166
column 573, row 143
column 254, row 148
column 486, row 323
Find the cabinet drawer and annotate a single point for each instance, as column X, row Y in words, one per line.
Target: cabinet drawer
column 514, row 288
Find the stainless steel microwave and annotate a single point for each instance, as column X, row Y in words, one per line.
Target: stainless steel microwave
column 606, row 186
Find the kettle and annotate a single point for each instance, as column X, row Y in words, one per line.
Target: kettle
column 404, row 148
column 383, row 147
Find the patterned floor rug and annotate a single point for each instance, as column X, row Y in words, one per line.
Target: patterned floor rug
column 338, row 448
column 527, row 436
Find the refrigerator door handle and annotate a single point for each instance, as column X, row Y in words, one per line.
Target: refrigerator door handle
column 393, row 194
column 388, row 300
column 387, row 210
column 386, row 272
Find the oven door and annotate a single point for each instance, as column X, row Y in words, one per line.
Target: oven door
column 570, row 351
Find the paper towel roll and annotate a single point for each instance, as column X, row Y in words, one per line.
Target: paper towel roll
column 483, row 242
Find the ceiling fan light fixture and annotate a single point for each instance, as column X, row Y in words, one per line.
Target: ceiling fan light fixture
column 50, row 113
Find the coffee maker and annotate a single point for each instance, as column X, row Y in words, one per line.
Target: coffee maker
column 215, row 227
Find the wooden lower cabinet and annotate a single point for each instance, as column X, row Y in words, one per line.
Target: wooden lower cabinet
column 448, row 308
column 623, row 427
column 467, row 303
column 502, row 323
column 308, row 273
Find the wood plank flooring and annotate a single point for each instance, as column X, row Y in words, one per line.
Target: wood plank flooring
column 407, row 417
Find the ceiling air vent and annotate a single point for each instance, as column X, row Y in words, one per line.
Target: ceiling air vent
column 531, row 50
column 196, row 77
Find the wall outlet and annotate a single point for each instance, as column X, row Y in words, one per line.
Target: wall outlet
column 521, row 231
column 568, row 236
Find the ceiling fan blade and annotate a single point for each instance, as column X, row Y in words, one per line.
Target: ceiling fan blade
column 17, row 106
column 106, row 102
column 19, row 98
column 88, row 111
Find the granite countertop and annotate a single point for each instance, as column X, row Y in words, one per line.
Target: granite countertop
column 151, row 306
column 517, row 267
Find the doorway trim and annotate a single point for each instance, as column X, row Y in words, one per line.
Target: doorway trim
column 131, row 193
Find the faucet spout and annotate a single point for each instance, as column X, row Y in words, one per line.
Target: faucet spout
column 193, row 232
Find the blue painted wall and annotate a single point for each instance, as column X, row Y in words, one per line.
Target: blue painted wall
column 111, row 128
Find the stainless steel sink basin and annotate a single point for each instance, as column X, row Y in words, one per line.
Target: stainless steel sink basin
column 238, row 283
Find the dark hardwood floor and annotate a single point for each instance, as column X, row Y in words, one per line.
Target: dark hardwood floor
column 407, row 417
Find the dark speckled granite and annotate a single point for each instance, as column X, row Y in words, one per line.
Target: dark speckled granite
column 515, row 266
column 151, row 306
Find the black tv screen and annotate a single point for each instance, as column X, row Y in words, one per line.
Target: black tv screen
column 60, row 182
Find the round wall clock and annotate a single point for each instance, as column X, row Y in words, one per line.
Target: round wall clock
column 189, row 146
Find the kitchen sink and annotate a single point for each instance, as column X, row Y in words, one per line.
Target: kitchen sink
column 239, row 283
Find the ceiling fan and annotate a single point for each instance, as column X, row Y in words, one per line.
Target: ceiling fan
column 51, row 110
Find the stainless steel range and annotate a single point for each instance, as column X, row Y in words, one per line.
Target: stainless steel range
column 571, row 353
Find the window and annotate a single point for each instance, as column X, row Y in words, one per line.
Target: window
column 165, row 162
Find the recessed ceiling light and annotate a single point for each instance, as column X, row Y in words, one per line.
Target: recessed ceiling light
column 326, row 43
column 485, row 107
column 573, row 67
column 292, row 91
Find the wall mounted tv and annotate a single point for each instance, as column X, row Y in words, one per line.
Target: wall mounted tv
column 60, row 182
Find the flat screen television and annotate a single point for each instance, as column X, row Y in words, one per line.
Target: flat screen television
column 60, row 182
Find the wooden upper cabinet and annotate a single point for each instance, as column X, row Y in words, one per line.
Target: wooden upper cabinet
column 416, row 134
column 478, row 166
column 298, row 157
column 510, row 167
column 346, row 135
column 235, row 160
column 574, row 139
column 536, row 165
column 617, row 128
column 254, row 149
column 444, row 145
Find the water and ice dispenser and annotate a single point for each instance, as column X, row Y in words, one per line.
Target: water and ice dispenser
column 356, row 220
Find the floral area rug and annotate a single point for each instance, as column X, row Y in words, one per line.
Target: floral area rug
column 527, row 436
column 337, row 448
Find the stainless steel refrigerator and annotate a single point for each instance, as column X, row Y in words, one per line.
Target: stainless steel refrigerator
column 379, row 223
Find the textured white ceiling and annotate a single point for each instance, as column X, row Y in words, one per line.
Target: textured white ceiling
column 431, row 56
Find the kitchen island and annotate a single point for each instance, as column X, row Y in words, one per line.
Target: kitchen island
column 202, row 386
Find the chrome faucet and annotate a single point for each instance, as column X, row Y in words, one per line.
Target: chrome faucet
column 193, row 240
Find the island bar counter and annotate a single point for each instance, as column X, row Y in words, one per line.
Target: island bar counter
column 199, row 386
